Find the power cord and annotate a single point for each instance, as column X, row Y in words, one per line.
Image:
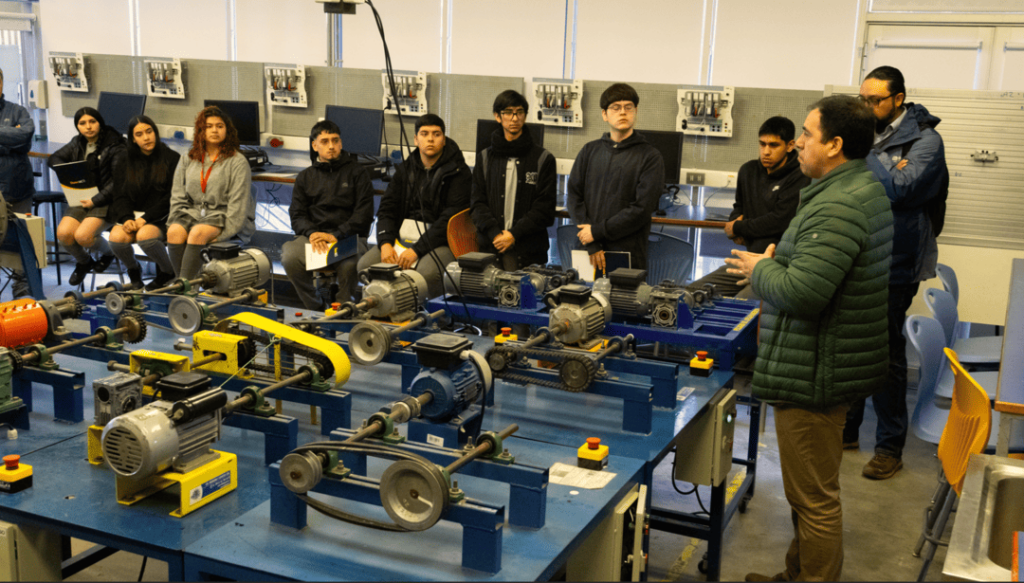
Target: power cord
column 693, row 490
column 12, row 432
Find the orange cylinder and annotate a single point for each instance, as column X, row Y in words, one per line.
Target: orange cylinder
column 22, row 322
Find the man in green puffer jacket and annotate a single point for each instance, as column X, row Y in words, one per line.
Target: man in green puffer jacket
column 824, row 336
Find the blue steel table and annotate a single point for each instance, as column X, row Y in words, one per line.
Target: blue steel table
column 252, row 549
column 1009, row 397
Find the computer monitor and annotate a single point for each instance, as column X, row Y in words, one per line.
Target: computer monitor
column 360, row 128
column 245, row 115
column 486, row 127
column 118, row 109
column 670, row 144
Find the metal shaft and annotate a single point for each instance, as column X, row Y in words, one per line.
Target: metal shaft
column 546, row 335
column 345, row 312
column 376, row 426
column 479, row 450
column 246, row 399
column 86, row 296
column 421, row 320
column 32, row 356
column 177, row 286
column 242, row 298
column 614, row 346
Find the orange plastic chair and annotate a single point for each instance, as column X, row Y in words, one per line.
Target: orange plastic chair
column 462, row 234
column 967, row 430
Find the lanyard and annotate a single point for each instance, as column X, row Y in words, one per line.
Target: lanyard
column 204, row 174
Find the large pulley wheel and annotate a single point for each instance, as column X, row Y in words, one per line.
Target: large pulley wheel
column 301, row 472
column 369, row 343
column 414, row 495
column 185, row 314
column 116, row 303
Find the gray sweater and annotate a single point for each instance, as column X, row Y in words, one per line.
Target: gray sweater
column 227, row 203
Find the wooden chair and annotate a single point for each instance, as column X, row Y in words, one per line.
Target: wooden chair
column 462, row 234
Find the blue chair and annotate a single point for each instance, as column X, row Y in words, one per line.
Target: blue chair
column 984, row 350
column 567, row 241
column 948, row 278
column 926, row 336
column 669, row 257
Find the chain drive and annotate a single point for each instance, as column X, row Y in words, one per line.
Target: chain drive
column 512, row 355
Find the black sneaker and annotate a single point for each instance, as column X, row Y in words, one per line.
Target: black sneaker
column 100, row 265
column 135, row 277
column 161, row 280
column 81, row 270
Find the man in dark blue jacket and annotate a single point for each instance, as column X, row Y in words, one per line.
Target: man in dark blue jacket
column 615, row 184
column 513, row 200
column 909, row 159
column 332, row 200
column 16, row 181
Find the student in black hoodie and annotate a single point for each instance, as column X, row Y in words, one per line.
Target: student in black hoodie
column 142, row 202
column 79, row 231
column 767, row 195
column 513, row 200
column 615, row 184
column 332, row 200
column 426, row 191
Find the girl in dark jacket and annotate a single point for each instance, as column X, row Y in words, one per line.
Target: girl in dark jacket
column 79, row 231
column 142, row 202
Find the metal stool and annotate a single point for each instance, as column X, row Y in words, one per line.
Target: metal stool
column 54, row 199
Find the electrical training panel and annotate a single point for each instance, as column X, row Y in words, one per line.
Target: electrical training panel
column 164, row 78
column 557, row 102
column 412, row 93
column 69, row 71
column 705, row 111
column 286, row 84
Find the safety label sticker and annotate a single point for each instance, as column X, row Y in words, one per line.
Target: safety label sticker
column 435, row 440
column 684, row 393
column 207, row 488
column 577, row 477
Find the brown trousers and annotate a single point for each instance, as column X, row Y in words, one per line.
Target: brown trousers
column 810, row 451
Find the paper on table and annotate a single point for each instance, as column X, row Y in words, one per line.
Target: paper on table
column 577, row 477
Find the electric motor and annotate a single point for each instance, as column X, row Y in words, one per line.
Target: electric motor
column 116, row 395
column 545, row 279
column 627, row 291
column 476, row 275
column 399, row 293
column 27, row 321
column 450, row 374
column 232, row 269
column 151, row 439
column 582, row 310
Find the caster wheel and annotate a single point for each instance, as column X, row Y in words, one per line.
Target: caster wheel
column 702, row 566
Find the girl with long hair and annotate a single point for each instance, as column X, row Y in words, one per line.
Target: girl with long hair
column 210, row 198
column 142, row 202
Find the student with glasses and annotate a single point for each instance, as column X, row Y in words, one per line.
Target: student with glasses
column 513, row 199
column 615, row 184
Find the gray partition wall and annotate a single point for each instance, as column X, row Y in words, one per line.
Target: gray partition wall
column 459, row 99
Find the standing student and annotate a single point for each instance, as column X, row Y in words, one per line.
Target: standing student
column 513, row 199
column 16, row 181
column 767, row 194
column 210, row 197
column 909, row 159
column 428, row 189
column 332, row 200
column 79, row 231
column 143, row 201
column 823, row 341
column 615, row 184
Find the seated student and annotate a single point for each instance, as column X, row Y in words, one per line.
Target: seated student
column 513, row 200
column 427, row 190
column 615, row 184
column 331, row 200
column 767, row 194
column 142, row 202
column 79, row 230
column 210, row 197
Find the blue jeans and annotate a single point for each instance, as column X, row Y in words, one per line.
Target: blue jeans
column 891, row 402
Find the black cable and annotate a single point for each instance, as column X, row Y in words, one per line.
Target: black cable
column 143, row 569
column 703, row 510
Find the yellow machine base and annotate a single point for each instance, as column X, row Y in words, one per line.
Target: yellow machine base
column 207, row 342
column 94, row 441
column 145, row 361
column 198, row 487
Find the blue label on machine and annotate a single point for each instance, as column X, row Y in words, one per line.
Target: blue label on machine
column 216, row 484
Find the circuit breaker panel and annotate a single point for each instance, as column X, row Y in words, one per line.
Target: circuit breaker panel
column 286, row 84
column 411, row 87
column 164, row 78
column 557, row 102
column 29, row 553
column 704, row 447
column 69, row 71
column 705, row 111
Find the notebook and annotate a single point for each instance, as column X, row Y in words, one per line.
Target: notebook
column 76, row 181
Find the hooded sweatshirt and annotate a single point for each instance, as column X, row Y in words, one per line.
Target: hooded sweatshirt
column 333, row 197
column 767, row 202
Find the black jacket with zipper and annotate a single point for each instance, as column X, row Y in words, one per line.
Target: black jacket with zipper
column 766, row 201
column 333, row 197
column 432, row 196
column 152, row 198
column 104, row 161
column 535, row 195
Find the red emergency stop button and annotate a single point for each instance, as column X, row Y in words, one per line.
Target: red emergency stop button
column 702, row 355
column 506, row 331
column 11, row 461
column 593, row 442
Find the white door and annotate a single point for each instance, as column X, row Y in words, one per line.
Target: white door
column 932, row 57
column 1008, row 59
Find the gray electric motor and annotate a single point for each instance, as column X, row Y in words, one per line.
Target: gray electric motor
column 476, row 275
column 233, row 269
column 116, row 395
column 631, row 296
column 582, row 310
column 399, row 293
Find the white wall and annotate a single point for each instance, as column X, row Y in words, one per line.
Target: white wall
column 784, row 44
column 412, row 28
column 525, row 38
column 281, row 31
column 164, row 26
